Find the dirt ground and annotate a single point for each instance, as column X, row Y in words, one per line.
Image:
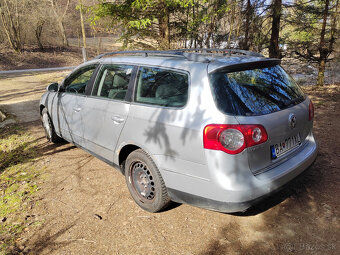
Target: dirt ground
column 84, row 206
column 32, row 58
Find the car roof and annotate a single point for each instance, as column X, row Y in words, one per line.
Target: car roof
column 182, row 60
column 157, row 61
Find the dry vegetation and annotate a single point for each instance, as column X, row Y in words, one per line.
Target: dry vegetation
column 34, row 58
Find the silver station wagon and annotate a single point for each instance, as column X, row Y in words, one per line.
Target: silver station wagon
column 218, row 129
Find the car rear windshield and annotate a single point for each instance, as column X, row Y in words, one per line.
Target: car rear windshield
column 255, row 92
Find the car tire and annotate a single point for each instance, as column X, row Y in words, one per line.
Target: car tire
column 47, row 123
column 145, row 182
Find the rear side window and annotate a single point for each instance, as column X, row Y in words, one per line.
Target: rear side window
column 255, row 92
column 162, row 87
column 112, row 82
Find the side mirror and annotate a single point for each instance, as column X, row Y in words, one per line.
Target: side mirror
column 53, row 87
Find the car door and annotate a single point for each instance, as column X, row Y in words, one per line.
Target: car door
column 106, row 110
column 71, row 99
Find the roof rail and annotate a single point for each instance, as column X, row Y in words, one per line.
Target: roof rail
column 224, row 51
column 143, row 52
column 192, row 56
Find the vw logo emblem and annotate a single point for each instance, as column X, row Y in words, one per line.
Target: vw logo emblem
column 292, row 121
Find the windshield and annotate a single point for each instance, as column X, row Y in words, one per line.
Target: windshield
column 255, row 92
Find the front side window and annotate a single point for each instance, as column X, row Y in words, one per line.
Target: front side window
column 162, row 87
column 255, row 92
column 77, row 82
column 113, row 82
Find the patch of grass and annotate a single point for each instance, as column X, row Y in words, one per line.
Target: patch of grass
column 16, row 147
column 18, row 183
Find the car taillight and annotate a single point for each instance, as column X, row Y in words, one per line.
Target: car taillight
column 311, row 110
column 233, row 139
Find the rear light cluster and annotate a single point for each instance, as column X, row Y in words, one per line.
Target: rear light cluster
column 311, row 110
column 233, row 139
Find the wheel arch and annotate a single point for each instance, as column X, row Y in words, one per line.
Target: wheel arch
column 124, row 153
column 41, row 108
column 125, row 150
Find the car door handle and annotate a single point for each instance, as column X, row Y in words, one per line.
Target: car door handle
column 117, row 119
column 76, row 109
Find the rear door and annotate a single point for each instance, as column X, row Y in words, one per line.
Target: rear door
column 106, row 109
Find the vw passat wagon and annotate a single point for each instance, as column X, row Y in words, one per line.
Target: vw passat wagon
column 218, row 129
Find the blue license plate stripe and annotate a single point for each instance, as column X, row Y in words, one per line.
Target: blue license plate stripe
column 273, row 152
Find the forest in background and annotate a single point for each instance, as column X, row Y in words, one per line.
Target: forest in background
column 301, row 29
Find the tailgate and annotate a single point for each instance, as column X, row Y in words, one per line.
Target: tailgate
column 287, row 130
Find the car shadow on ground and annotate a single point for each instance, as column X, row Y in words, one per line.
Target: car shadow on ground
column 48, row 148
column 297, row 219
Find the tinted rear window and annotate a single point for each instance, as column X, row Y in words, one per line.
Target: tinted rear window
column 255, row 92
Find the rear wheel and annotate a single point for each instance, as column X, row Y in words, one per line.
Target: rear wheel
column 49, row 128
column 145, row 182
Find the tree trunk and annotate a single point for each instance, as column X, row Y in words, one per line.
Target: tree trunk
column 185, row 39
column 247, row 26
column 232, row 20
column 164, row 27
column 62, row 32
column 322, row 68
column 7, row 31
column 82, row 23
column 212, row 13
column 17, row 26
column 335, row 15
column 238, row 30
column 323, row 49
column 193, row 38
column 60, row 19
column 12, row 29
column 38, row 32
column 274, row 49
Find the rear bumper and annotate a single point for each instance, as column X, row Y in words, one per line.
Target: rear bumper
column 234, row 193
column 210, row 204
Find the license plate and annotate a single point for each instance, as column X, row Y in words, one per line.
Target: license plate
column 279, row 149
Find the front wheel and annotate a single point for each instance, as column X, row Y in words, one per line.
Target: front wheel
column 50, row 133
column 145, row 182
